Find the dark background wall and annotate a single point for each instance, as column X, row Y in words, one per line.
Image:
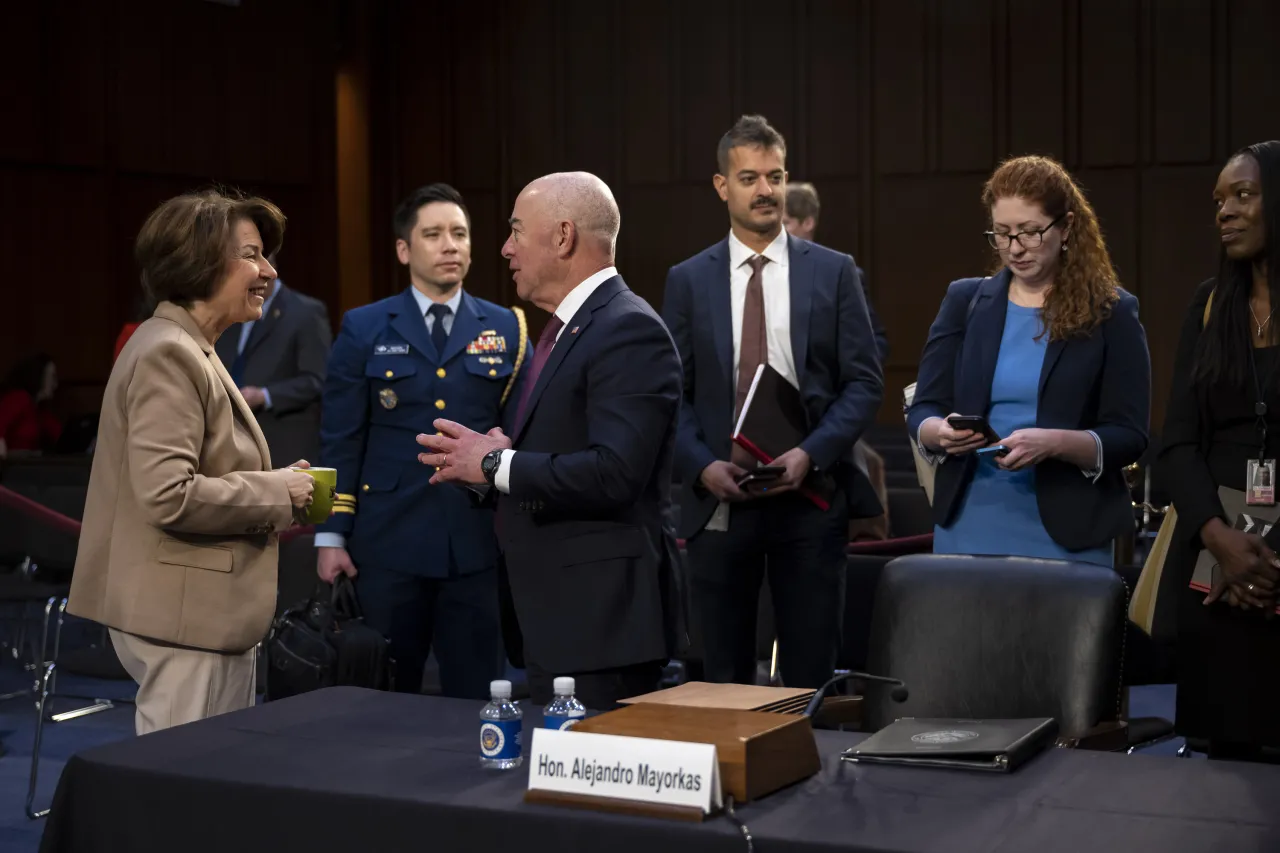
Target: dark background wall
column 896, row 109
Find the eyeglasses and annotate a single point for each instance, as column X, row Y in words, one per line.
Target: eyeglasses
column 1026, row 239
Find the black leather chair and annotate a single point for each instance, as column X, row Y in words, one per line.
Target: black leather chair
column 1001, row 637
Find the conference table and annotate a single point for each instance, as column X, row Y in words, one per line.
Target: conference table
column 346, row 769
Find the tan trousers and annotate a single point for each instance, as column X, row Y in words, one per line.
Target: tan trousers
column 179, row 685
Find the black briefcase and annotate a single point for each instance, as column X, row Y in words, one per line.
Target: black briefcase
column 324, row 642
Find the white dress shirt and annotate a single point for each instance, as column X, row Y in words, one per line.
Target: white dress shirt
column 776, row 282
column 337, row 540
column 569, row 306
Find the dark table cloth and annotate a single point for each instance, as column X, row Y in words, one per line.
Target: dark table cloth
column 355, row 770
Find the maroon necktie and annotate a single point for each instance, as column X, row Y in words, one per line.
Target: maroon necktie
column 753, row 350
column 546, row 342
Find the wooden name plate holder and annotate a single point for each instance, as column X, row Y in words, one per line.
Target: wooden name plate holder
column 758, row 752
column 763, row 743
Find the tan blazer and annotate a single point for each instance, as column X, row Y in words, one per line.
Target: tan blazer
column 179, row 536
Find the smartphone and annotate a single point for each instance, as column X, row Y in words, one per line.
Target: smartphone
column 761, row 475
column 977, row 423
column 998, row 451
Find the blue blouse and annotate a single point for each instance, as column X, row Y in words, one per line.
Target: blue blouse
column 999, row 514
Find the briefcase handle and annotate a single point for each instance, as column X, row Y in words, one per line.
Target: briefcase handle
column 343, row 599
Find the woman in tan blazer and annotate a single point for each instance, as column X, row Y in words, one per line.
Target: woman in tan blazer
column 178, row 546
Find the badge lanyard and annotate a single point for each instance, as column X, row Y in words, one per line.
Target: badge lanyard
column 1260, row 473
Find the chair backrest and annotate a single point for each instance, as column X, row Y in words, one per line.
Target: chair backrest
column 998, row 638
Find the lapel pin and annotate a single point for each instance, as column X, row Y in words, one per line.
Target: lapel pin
column 574, row 330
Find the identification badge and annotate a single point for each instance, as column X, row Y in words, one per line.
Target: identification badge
column 1262, row 482
column 391, row 349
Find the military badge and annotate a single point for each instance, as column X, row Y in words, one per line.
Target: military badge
column 387, row 397
column 488, row 343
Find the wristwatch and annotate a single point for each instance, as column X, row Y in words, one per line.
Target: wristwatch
column 489, row 465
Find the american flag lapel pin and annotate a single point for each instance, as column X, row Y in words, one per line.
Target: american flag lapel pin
column 574, row 330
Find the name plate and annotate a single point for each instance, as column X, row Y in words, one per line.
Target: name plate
column 641, row 770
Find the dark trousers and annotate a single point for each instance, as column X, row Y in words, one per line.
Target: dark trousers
column 599, row 690
column 458, row 615
column 803, row 550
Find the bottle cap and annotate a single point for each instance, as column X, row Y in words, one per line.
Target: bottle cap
column 563, row 686
column 500, row 689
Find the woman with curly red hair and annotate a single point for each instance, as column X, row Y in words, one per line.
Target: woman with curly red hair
column 1048, row 355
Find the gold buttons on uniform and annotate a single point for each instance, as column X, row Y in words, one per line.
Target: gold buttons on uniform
column 440, row 372
column 493, row 372
column 366, row 487
column 390, row 373
column 439, row 404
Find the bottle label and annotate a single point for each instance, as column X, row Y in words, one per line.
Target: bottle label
column 500, row 739
column 562, row 721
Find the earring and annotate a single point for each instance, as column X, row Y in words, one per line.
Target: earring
column 1064, row 247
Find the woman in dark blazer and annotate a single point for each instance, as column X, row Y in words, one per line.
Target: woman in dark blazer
column 1228, row 649
column 1049, row 350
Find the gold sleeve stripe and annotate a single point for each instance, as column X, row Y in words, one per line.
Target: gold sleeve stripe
column 341, row 508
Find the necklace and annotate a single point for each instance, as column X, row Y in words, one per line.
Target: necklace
column 1263, row 325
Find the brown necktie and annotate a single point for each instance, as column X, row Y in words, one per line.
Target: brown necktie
column 753, row 350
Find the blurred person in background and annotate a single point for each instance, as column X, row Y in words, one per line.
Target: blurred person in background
column 27, row 421
column 178, row 549
column 803, row 210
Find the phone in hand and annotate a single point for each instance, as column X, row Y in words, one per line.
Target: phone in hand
column 976, row 423
column 993, row 451
column 761, row 476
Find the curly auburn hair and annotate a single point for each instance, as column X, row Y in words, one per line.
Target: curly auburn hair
column 1086, row 285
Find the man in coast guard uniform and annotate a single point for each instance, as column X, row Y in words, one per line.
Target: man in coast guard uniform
column 424, row 558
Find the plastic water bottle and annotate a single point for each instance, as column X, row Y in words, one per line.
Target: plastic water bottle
column 564, row 710
column 501, row 722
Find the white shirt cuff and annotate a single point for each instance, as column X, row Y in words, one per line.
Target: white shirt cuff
column 502, row 479
column 933, row 457
column 266, row 400
column 330, row 540
column 1095, row 472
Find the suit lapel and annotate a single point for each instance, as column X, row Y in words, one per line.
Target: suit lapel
column 1051, row 355
column 246, row 414
column 720, row 302
column 985, row 329
column 467, row 326
column 183, row 318
column 801, row 271
column 573, row 330
column 412, row 326
column 270, row 320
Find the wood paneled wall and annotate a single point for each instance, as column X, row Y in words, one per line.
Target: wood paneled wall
column 111, row 106
column 896, row 109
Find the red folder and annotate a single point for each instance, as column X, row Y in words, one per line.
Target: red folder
column 772, row 422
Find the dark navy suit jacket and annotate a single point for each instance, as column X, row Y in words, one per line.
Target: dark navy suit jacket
column 835, row 355
column 1101, row 382
column 386, row 384
column 589, row 550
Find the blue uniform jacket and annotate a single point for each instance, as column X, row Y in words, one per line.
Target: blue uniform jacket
column 386, row 384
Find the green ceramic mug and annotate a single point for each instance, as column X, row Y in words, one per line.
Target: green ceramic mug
column 322, row 500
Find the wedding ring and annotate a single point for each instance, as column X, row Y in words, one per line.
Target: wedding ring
column 1249, row 587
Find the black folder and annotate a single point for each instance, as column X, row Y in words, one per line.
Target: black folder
column 773, row 421
column 994, row 745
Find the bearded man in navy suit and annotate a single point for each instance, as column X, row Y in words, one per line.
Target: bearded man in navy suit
column 761, row 296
